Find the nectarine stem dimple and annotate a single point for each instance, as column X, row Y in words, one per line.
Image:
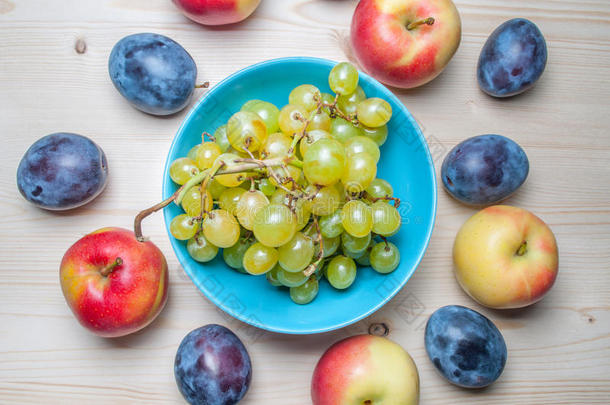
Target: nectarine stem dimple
column 522, row 249
column 379, row 329
column 415, row 24
column 110, row 268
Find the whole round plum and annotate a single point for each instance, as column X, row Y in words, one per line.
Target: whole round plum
column 512, row 59
column 484, row 170
column 212, row 367
column 62, row 171
column 153, row 72
column 465, row 346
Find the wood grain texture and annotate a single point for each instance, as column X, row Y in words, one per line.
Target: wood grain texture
column 559, row 349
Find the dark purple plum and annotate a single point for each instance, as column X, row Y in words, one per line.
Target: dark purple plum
column 484, row 170
column 153, row 72
column 512, row 59
column 465, row 347
column 62, row 171
column 212, row 367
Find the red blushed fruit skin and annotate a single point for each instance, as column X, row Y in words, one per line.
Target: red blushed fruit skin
column 336, row 367
column 126, row 300
column 216, row 12
column 380, row 43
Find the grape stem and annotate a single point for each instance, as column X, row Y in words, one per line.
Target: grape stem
column 386, row 198
column 313, row 194
column 243, row 165
column 137, row 222
column 203, row 85
column 385, row 240
column 211, row 137
column 297, row 138
column 204, row 187
column 313, row 266
column 336, row 112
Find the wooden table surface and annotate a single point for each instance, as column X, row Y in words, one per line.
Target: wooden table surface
column 558, row 349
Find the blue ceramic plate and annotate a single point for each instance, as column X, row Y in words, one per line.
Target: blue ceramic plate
column 405, row 162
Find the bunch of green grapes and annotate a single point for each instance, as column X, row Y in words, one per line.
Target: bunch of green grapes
column 293, row 193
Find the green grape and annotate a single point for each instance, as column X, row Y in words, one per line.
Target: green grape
column 359, row 144
column 324, row 162
column 379, row 188
column 348, row 103
column 193, row 152
column 229, row 198
column 341, row 272
column 304, row 96
column 312, row 137
column 302, row 210
column 297, row 253
column 266, row 186
column 200, row 249
column 374, row 112
column 269, row 113
column 234, row 255
column 183, row 227
column 191, row 203
column 354, row 247
column 276, row 145
column 233, row 179
column 259, row 259
column 320, row 270
column 248, row 205
column 289, row 279
column 274, row 225
column 207, row 154
column 272, row 276
column 330, row 225
column 341, row 190
column 386, row 219
column 292, row 119
column 320, row 120
column 280, row 197
column 246, row 130
column 326, row 200
column 377, row 135
column 215, row 189
column 343, row 78
column 360, row 170
column 343, row 130
column 330, row 245
column 221, row 228
column 364, row 259
column 327, row 98
column 182, row 169
column 357, row 219
column 305, row 293
column 384, row 257
column 303, row 181
column 221, row 138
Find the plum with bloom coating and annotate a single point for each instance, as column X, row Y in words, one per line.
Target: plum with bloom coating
column 212, row 367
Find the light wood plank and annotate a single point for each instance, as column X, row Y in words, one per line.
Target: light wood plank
column 558, row 350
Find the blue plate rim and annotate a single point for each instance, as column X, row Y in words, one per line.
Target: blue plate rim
column 174, row 242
